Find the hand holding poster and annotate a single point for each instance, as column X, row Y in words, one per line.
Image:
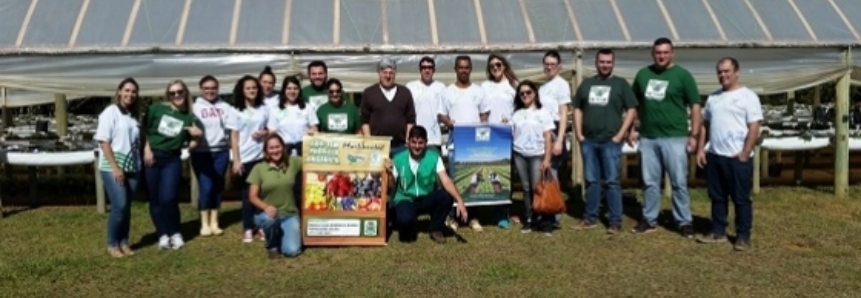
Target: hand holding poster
column 482, row 163
column 344, row 202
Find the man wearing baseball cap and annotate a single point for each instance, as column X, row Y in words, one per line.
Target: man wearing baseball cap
column 388, row 109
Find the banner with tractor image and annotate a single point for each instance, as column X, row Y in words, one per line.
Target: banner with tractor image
column 344, row 198
column 482, row 163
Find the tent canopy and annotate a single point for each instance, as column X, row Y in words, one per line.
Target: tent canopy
column 85, row 47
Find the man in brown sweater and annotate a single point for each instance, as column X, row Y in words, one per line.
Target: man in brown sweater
column 387, row 109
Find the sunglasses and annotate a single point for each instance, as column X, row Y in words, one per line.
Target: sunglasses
column 176, row 93
column 496, row 65
column 426, row 67
column 334, row 91
column 525, row 92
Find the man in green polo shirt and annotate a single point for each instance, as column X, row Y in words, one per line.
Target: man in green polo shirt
column 414, row 174
column 665, row 91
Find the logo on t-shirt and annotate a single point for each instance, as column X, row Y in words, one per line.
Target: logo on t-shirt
column 337, row 122
column 318, row 100
column 599, row 95
column 656, row 89
column 482, row 134
column 169, row 126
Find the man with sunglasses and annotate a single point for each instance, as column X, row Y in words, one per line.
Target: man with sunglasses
column 427, row 94
column 604, row 109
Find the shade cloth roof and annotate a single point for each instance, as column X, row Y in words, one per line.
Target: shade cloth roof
column 86, row 26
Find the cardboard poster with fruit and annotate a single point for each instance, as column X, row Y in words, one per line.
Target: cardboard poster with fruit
column 343, row 199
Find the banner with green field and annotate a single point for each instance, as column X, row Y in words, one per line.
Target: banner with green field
column 482, row 163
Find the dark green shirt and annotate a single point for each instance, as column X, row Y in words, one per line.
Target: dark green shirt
column 664, row 96
column 166, row 127
column 276, row 184
column 603, row 101
column 319, row 97
column 343, row 119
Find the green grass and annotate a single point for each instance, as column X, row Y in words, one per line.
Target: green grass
column 805, row 244
column 465, row 172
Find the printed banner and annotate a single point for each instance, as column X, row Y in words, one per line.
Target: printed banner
column 482, row 163
column 343, row 199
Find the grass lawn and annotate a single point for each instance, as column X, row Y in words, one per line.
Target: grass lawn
column 806, row 244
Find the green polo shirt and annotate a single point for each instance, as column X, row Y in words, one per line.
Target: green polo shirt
column 276, row 184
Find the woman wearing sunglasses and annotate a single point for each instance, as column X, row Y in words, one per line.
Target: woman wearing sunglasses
column 532, row 129
column 337, row 115
column 169, row 126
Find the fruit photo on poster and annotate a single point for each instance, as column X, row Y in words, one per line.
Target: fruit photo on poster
column 343, row 191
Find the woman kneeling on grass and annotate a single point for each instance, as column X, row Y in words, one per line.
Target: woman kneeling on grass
column 271, row 191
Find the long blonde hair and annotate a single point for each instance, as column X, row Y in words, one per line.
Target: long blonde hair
column 185, row 102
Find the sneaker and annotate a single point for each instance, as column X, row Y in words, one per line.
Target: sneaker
column 585, row 225
column 452, row 224
column 741, row 244
column 176, row 241
column 515, row 220
column 475, row 225
column 687, row 231
column 503, row 224
column 115, row 252
column 712, row 238
column 643, row 228
column 127, row 250
column 614, row 229
column 437, row 237
column 163, row 242
column 274, row 254
column 261, row 235
column 527, row 228
column 248, row 236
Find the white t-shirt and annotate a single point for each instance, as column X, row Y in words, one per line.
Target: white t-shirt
column 272, row 100
column 554, row 93
column 463, row 105
column 500, row 100
column 728, row 114
column 528, row 127
column 216, row 120
column 427, row 99
column 250, row 121
column 390, row 93
column 291, row 123
column 414, row 166
column 123, row 132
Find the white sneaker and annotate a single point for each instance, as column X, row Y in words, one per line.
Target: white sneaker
column 177, row 241
column 247, row 237
column 163, row 242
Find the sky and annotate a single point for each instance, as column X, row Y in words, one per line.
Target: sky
column 467, row 149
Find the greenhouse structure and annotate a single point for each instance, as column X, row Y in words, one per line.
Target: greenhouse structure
column 53, row 51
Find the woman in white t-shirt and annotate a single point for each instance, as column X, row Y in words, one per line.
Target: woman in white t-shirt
column 251, row 118
column 532, row 129
column 211, row 157
column 118, row 134
column 499, row 95
column 271, row 98
column 499, row 89
column 293, row 118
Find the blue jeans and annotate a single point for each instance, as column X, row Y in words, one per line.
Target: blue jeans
column 209, row 168
column 162, row 180
column 656, row 156
column 729, row 177
column 602, row 161
column 247, row 209
column 437, row 204
column 282, row 233
column 120, row 196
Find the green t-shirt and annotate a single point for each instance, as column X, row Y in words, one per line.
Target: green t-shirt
column 319, row 98
column 602, row 103
column 166, row 127
column 343, row 119
column 663, row 97
column 276, row 184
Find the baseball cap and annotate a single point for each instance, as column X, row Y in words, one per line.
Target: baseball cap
column 386, row 63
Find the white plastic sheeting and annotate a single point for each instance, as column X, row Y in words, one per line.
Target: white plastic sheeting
column 764, row 70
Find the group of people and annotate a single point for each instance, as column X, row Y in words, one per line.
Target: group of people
column 259, row 138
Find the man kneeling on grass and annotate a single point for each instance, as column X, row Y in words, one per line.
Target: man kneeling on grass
column 414, row 173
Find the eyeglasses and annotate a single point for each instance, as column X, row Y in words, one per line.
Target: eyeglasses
column 496, row 65
column 334, row 91
column 525, row 92
column 176, row 93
